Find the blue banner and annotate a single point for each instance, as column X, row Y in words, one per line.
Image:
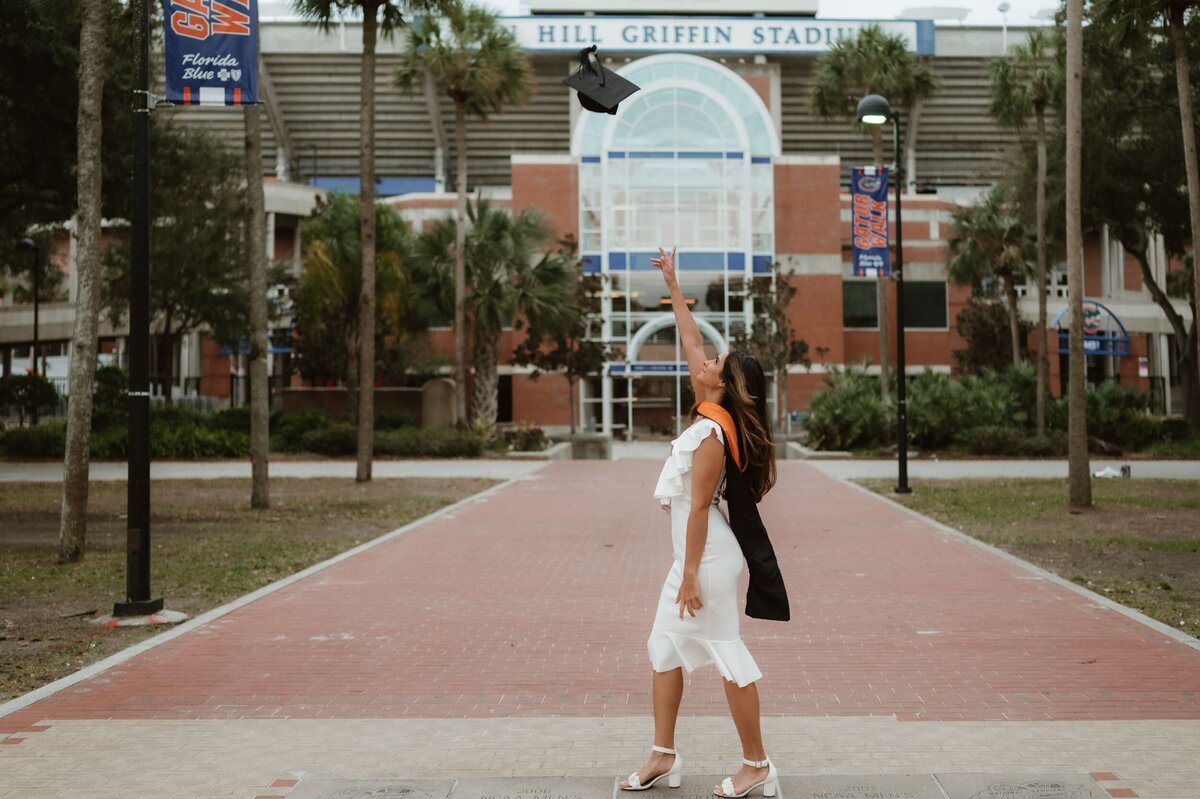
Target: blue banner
column 211, row 49
column 869, row 222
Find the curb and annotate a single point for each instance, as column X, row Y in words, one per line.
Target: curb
column 1177, row 635
column 38, row 694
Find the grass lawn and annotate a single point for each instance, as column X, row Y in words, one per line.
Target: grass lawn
column 208, row 547
column 1139, row 544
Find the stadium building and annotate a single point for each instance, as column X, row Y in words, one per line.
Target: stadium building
column 720, row 153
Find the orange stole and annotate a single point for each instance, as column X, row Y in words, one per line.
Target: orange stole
column 712, row 410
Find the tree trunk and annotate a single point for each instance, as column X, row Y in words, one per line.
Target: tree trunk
column 1014, row 318
column 434, row 108
column 881, row 292
column 260, row 391
column 484, row 397
column 1187, row 358
column 1079, row 478
column 460, row 261
column 366, row 300
column 784, row 416
column 910, row 149
column 1184, row 82
column 1042, row 343
column 72, row 533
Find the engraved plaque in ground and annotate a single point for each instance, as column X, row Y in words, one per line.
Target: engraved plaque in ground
column 333, row 788
column 875, row 786
column 999, row 786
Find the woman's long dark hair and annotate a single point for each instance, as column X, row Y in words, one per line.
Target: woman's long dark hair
column 745, row 399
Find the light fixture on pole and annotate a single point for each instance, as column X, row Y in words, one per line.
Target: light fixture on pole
column 30, row 244
column 1003, row 9
column 876, row 110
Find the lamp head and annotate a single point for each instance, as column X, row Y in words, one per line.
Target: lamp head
column 874, row 109
column 26, row 244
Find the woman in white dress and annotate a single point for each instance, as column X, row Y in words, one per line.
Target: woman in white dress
column 697, row 619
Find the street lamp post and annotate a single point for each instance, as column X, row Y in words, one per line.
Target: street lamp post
column 876, row 110
column 30, row 244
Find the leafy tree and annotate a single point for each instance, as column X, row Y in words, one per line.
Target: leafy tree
column 572, row 347
column 197, row 243
column 1025, row 82
column 39, row 103
column 985, row 325
column 480, row 66
column 508, row 280
column 772, row 338
column 872, row 62
column 327, row 302
column 987, row 241
column 1079, row 479
column 1132, row 19
column 30, row 394
column 72, row 532
column 378, row 17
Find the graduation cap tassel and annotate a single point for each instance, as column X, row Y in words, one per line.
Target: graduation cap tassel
column 599, row 89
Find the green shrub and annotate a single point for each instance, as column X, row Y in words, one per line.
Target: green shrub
column 1052, row 444
column 195, row 441
column 339, row 438
column 849, row 414
column 1175, row 429
column 110, row 403
column 288, row 429
column 30, row 395
column 45, row 440
column 236, row 419
column 110, row 444
column 417, row 443
column 935, row 409
column 993, row 440
column 163, row 415
column 394, row 421
column 1118, row 415
column 990, row 399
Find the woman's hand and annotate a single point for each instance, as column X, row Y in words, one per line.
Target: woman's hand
column 666, row 265
column 688, row 597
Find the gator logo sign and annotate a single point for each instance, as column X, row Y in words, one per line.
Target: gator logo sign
column 1103, row 333
column 869, row 222
column 211, row 49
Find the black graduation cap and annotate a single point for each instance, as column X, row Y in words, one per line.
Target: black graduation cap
column 600, row 89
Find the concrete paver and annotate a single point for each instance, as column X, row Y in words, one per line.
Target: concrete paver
column 875, row 469
column 506, row 638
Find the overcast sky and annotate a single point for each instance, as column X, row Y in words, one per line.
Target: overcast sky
column 979, row 12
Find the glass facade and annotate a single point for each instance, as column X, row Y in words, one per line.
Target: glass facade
column 688, row 161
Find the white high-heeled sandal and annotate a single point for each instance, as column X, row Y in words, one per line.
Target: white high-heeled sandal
column 674, row 775
column 770, row 786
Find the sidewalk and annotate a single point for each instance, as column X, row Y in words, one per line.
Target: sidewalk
column 506, row 639
column 493, row 469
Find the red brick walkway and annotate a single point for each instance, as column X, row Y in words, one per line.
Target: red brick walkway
column 537, row 601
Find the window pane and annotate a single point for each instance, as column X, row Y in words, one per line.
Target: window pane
column 859, row 307
column 924, row 304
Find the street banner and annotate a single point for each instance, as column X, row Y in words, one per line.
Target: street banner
column 211, row 49
column 869, row 222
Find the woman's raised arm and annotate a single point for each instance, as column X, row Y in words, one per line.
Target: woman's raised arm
column 689, row 332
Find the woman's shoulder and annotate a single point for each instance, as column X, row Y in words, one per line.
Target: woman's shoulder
column 699, row 430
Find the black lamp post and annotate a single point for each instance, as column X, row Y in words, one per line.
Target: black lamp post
column 876, row 110
column 30, row 244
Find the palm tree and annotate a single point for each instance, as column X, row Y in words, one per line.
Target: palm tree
column 988, row 241
column 479, row 65
column 73, row 525
column 508, row 281
column 1024, row 82
column 872, row 62
column 1079, row 480
column 1131, row 17
column 328, row 304
column 379, row 17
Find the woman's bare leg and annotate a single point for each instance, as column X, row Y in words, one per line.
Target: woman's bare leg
column 743, row 706
column 668, row 693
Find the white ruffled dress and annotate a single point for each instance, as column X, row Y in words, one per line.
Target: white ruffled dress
column 711, row 636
